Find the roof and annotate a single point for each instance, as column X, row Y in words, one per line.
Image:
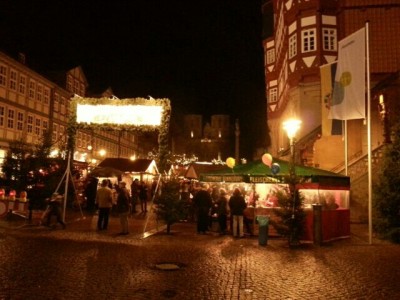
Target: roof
column 196, row 169
column 132, row 166
column 258, row 172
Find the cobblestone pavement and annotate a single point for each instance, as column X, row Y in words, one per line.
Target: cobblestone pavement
column 81, row 263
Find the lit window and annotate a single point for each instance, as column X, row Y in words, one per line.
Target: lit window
column 293, row 46
column 273, row 95
column 270, row 56
column 38, row 126
column 20, row 121
column 32, row 88
column 13, row 80
column 46, row 95
column 69, row 83
column 45, row 126
column 3, row 75
column 329, row 38
column 29, row 124
column 22, row 84
column 2, row 112
column 10, row 119
column 308, row 40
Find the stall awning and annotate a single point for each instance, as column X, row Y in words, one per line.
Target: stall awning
column 126, row 165
column 258, row 172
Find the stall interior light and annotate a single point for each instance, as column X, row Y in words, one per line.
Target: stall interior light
column 291, row 127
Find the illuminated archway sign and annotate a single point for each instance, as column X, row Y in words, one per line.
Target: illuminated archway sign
column 126, row 114
column 132, row 114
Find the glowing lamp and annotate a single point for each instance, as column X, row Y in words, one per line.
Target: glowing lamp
column 11, row 195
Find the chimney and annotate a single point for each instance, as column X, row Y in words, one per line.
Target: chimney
column 21, row 58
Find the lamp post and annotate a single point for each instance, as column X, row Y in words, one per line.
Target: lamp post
column 291, row 127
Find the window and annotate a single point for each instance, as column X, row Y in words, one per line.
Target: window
column 39, row 92
column 308, row 40
column 292, row 46
column 270, row 56
column 76, row 87
column 37, row 126
column 3, row 75
column 22, row 84
column 29, row 124
column 2, row 112
column 10, row 119
column 45, row 126
column 69, row 83
column 32, row 88
column 55, row 130
column 46, row 95
column 56, row 102
column 273, row 95
column 329, row 38
column 13, row 80
column 20, row 121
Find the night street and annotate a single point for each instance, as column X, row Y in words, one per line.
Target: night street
column 76, row 263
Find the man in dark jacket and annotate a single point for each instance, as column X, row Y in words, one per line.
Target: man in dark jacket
column 237, row 205
column 202, row 203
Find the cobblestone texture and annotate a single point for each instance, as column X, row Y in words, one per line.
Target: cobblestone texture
column 80, row 263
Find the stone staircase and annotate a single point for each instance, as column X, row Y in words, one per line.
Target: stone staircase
column 358, row 172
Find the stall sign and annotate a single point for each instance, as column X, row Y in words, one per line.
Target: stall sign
column 263, row 179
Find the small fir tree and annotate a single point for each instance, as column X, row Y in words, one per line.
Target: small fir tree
column 386, row 192
column 169, row 206
column 291, row 215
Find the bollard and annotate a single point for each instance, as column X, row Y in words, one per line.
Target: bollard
column 317, row 224
column 262, row 230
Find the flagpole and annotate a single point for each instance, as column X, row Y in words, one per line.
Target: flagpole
column 369, row 136
column 346, row 163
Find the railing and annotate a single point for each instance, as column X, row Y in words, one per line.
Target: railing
column 359, row 167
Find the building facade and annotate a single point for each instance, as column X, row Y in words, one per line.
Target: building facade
column 206, row 140
column 305, row 37
column 32, row 103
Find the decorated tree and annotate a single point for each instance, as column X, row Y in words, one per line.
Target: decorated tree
column 169, row 206
column 290, row 215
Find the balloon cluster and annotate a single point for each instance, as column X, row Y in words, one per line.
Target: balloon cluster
column 267, row 160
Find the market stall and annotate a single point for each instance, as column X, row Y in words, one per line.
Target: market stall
column 259, row 186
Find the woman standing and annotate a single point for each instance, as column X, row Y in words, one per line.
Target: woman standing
column 222, row 211
column 237, row 204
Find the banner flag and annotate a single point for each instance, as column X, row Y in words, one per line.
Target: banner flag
column 348, row 101
column 329, row 126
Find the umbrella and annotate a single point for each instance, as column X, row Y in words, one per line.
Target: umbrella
column 106, row 172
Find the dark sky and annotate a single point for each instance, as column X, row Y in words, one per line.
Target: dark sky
column 205, row 56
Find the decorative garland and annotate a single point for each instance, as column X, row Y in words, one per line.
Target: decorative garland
column 163, row 129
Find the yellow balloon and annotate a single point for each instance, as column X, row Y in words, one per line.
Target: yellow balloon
column 230, row 162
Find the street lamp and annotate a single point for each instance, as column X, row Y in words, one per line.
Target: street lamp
column 291, row 127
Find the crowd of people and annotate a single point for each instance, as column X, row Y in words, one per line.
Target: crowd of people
column 216, row 204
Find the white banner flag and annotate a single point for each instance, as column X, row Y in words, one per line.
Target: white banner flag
column 348, row 101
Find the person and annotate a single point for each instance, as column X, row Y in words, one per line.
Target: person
column 104, row 201
column 54, row 209
column 143, row 196
column 90, row 193
column 237, row 205
column 123, row 207
column 134, row 194
column 222, row 211
column 202, row 203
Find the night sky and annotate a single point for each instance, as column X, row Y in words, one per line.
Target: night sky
column 205, row 56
